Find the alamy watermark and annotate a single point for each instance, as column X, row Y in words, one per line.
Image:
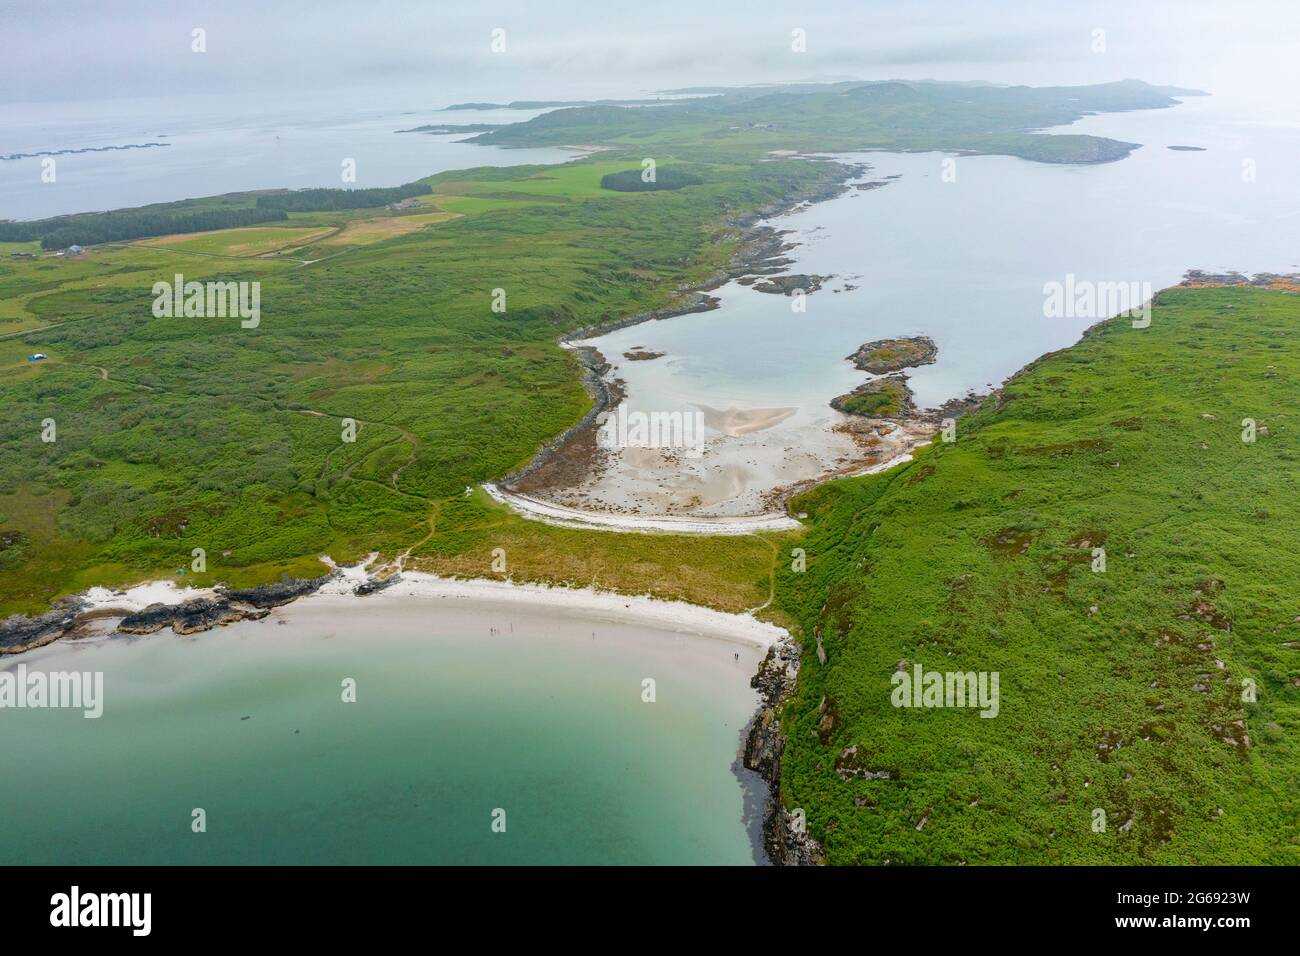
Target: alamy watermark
column 678, row 431
column 209, row 300
column 78, row 690
column 128, row 910
column 1085, row 299
column 921, row 688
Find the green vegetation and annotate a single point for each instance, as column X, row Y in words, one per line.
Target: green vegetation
column 241, row 242
column 729, row 573
column 1120, row 690
column 91, row 228
column 855, row 115
column 880, row 398
column 631, row 181
column 174, row 434
column 328, row 200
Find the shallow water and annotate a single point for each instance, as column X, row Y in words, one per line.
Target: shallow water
column 216, row 146
column 964, row 262
column 460, row 710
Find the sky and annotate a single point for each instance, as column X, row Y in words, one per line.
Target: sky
column 439, row 52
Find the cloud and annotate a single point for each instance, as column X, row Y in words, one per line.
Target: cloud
column 80, row 49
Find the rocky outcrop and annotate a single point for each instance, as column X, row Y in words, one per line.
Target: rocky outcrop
column 787, row 285
column 373, row 585
column 887, row 397
column 19, row 633
column 785, row 835
column 1281, row 282
column 280, row 592
column 189, row 617
column 894, row 355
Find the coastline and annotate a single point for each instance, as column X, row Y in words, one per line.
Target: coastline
column 757, row 760
column 571, row 458
column 564, row 517
column 99, row 612
column 761, row 253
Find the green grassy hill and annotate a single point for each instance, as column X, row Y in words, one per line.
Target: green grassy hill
column 849, row 116
column 1120, row 690
column 177, row 433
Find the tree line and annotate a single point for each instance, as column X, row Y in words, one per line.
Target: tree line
column 90, row 228
column 328, row 200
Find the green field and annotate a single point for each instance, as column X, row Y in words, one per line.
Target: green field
column 174, row 434
column 254, row 241
column 1121, row 689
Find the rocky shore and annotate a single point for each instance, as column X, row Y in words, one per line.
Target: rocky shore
column 72, row 617
column 789, row 284
column 1280, row 282
column 785, row 837
column 189, row 617
column 894, row 355
column 278, row 592
column 20, row 633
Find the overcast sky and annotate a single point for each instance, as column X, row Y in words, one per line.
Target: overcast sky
column 93, row 49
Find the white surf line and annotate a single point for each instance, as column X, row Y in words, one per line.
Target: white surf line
column 563, row 517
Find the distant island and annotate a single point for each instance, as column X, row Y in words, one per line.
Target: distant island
column 83, row 149
column 975, row 120
column 442, row 128
column 552, row 104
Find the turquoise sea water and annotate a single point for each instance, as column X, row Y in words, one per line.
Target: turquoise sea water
column 459, row 713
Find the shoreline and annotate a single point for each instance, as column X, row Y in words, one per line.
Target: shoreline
column 99, row 612
column 569, row 461
column 561, row 516
column 761, row 253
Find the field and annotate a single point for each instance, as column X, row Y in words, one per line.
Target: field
column 255, row 241
column 728, row 573
column 1124, row 689
column 177, row 434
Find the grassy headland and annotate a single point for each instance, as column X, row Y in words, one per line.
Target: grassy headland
column 1120, row 689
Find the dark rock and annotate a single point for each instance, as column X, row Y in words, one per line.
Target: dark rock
column 188, row 617
column 372, row 585
column 280, row 592
column 894, row 355
column 786, row 285
column 19, row 633
column 784, row 835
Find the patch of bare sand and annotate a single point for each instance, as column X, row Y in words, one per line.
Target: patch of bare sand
column 741, row 421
